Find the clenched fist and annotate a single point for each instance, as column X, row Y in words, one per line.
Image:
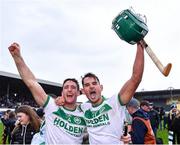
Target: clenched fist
column 14, row 49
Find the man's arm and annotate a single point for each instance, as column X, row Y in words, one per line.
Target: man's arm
column 129, row 88
column 27, row 76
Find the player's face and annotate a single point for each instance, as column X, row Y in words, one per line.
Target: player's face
column 70, row 92
column 92, row 89
column 23, row 118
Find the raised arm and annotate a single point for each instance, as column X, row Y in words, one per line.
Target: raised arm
column 27, row 76
column 129, row 88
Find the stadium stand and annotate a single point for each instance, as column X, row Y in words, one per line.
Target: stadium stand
column 160, row 97
column 13, row 91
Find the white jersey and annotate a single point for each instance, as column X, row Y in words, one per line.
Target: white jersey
column 63, row 126
column 39, row 138
column 105, row 122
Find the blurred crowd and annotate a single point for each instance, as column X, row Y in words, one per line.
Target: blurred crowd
column 12, row 101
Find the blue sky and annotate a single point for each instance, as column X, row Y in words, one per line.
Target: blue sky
column 67, row 38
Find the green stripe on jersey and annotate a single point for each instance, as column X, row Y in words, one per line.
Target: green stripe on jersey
column 47, row 101
column 70, row 118
column 92, row 114
column 120, row 101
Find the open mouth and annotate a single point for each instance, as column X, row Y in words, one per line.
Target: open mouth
column 69, row 96
column 93, row 95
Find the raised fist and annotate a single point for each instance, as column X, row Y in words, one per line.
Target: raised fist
column 14, row 49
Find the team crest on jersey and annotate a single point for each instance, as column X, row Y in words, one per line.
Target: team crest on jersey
column 77, row 120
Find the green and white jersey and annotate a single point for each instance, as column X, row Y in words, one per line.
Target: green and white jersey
column 39, row 138
column 63, row 126
column 105, row 122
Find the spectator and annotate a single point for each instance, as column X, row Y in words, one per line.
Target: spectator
column 10, row 124
column 141, row 132
column 161, row 117
column 165, row 119
column 171, row 117
column 144, row 105
column 4, row 120
column 176, row 127
column 153, row 114
column 154, row 118
column 28, row 125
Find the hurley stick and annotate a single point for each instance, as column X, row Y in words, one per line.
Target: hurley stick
column 165, row 70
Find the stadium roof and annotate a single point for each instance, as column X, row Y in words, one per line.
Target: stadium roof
column 11, row 75
column 159, row 92
column 12, row 83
